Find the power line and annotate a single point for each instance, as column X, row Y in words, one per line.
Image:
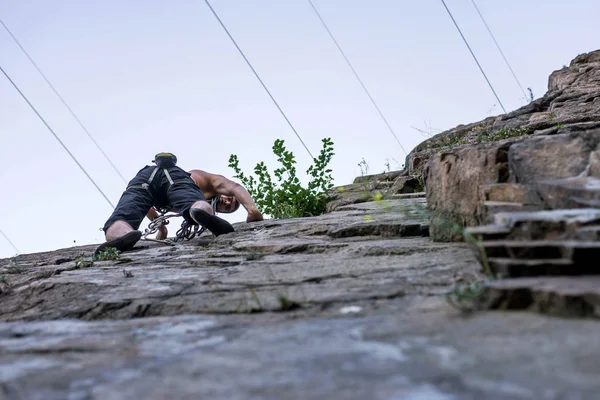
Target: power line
column 356, row 74
column 55, row 136
column 474, row 57
column 9, row 241
column 499, row 49
column 258, row 77
column 63, row 101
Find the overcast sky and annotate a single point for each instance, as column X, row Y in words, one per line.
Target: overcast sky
column 158, row 76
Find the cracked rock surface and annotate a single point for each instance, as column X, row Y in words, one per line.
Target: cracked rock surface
column 545, row 155
column 347, row 305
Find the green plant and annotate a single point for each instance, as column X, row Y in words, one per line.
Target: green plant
column 256, row 299
column 286, row 304
column 254, row 256
column 285, row 197
column 81, row 261
column 364, row 167
column 449, row 141
column 109, row 253
column 13, row 267
column 501, row 134
column 465, row 296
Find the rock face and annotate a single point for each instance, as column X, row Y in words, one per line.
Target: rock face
column 356, row 303
column 546, row 152
column 389, row 185
column 546, row 261
column 346, row 305
column 265, row 267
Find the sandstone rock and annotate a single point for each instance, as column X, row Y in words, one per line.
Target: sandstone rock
column 264, row 313
column 453, row 181
column 407, row 355
column 572, row 250
column 551, row 157
column 386, row 176
column 502, row 192
column 593, row 168
column 374, row 187
column 348, row 304
column 559, row 296
column 570, row 192
column 540, row 224
column 512, row 268
column 554, row 137
column 581, row 72
column 407, row 184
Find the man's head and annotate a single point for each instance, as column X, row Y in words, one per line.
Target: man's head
column 227, row 204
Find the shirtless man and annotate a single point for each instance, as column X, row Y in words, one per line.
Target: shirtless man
column 187, row 193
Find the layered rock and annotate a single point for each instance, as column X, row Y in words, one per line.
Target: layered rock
column 349, row 304
column 345, row 305
column 543, row 155
column 388, row 185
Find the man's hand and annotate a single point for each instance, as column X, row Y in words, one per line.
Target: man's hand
column 162, row 233
column 254, row 215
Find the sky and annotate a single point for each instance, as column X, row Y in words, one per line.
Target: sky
column 163, row 76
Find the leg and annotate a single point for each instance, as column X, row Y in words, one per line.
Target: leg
column 121, row 228
column 203, row 205
column 218, row 226
column 189, row 200
column 118, row 228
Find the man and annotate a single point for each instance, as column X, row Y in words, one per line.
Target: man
column 166, row 186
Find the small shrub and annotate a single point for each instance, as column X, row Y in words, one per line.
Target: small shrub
column 286, row 304
column 465, row 296
column 254, row 256
column 285, row 197
column 501, row 134
column 4, row 284
column 364, row 167
column 109, row 253
column 82, row 261
column 14, row 267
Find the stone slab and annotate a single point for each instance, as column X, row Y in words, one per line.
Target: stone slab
column 574, row 297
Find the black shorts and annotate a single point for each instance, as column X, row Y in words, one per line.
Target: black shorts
column 136, row 201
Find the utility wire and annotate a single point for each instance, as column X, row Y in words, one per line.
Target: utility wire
column 9, row 241
column 474, row 57
column 55, row 136
column 258, row 77
column 356, row 74
column 63, row 101
column 499, row 49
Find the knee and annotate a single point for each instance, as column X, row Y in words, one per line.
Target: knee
column 116, row 229
column 203, row 205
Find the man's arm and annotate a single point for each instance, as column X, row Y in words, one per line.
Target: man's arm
column 162, row 230
column 230, row 188
column 152, row 214
column 218, row 184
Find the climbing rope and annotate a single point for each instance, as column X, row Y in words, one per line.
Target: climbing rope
column 187, row 231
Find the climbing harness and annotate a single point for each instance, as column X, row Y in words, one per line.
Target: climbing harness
column 187, row 231
column 165, row 160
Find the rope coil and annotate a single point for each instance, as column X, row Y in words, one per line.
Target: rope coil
column 187, row 231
